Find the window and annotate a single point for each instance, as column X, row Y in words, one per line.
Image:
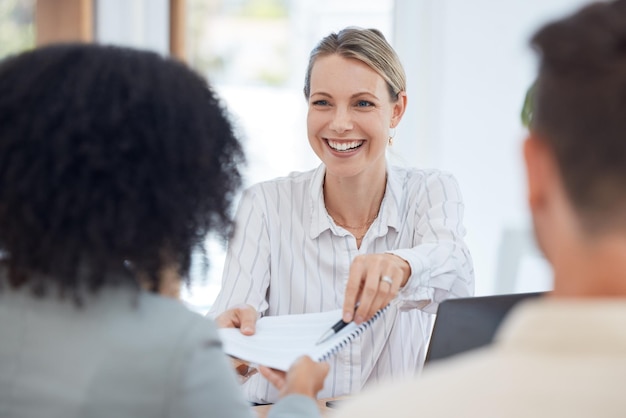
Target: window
column 17, row 29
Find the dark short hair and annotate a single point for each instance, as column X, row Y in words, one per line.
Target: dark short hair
column 113, row 162
column 580, row 107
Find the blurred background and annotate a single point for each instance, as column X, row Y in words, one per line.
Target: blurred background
column 468, row 65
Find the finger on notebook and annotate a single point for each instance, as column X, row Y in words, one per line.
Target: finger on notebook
column 394, row 285
column 352, row 295
column 226, row 319
column 383, row 296
column 393, row 291
column 357, row 280
column 247, row 316
column 241, row 316
column 275, row 377
column 316, row 372
column 306, row 377
column 368, row 296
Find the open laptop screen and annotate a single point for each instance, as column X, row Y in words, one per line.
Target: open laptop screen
column 467, row 323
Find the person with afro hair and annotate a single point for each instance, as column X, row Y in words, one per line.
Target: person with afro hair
column 115, row 164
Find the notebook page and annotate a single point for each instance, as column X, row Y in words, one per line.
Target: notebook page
column 280, row 340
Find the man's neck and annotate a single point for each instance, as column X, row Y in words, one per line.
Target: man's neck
column 595, row 269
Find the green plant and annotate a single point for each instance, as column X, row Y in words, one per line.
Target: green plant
column 527, row 108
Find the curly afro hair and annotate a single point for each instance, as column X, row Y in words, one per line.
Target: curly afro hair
column 114, row 163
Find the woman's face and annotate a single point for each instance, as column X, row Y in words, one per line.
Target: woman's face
column 350, row 114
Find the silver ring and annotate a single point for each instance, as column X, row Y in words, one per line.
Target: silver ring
column 386, row 279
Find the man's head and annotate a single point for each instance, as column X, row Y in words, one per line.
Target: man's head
column 576, row 154
column 580, row 108
column 113, row 162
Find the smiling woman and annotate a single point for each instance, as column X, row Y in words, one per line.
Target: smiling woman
column 356, row 230
column 350, row 115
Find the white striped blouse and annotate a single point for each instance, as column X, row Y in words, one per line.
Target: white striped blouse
column 287, row 256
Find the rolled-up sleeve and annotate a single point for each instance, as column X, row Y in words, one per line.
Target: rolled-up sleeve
column 441, row 265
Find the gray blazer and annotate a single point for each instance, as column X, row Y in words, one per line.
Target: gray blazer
column 121, row 355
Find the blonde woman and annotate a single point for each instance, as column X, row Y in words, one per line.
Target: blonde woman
column 356, row 230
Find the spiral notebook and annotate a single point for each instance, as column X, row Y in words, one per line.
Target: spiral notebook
column 280, row 340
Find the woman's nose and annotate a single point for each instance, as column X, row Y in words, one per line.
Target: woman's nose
column 341, row 121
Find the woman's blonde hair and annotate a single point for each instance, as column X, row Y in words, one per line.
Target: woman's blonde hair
column 366, row 45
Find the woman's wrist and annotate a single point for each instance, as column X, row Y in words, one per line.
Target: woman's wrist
column 405, row 267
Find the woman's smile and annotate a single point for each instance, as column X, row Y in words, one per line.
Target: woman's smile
column 344, row 145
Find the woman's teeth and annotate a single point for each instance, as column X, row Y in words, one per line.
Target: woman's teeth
column 345, row 146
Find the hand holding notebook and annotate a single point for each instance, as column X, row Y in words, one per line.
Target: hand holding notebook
column 280, row 340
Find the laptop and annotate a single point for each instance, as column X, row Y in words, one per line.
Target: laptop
column 468, row 323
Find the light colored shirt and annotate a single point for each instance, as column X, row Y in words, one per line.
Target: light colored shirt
column 287, row 256
column 552, row 358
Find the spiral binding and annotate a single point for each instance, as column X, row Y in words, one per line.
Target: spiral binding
column 348, row 338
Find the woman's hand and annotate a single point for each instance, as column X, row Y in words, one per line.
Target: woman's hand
column 241, row 316
column 374, row 281
column 305, row 377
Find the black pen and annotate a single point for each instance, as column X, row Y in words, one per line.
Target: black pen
column 341, row 325
column 332, row 331
column 335, row 328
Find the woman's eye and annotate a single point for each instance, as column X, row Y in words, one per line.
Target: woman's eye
column 364, row 103
column 320, row 103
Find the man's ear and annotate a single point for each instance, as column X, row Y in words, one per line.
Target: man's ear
column 539, row 170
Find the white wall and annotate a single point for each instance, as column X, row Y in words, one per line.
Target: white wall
column 468, row 65
column 478, row 65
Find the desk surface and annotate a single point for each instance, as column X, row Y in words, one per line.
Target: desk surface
column 262, row 410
